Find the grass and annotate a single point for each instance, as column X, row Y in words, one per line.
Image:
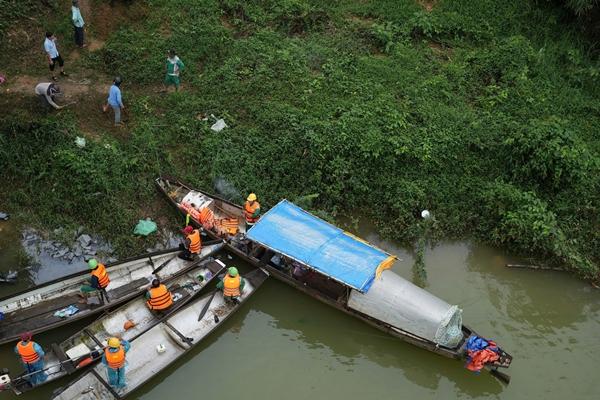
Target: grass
column 485, row 113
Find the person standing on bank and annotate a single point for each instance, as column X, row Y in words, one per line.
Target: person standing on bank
column 174, row 67
column 53, row 55
column 77, row 23
column 115, row 100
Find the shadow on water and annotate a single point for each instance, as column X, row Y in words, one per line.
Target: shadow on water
column 348, row 340
column 543, row 301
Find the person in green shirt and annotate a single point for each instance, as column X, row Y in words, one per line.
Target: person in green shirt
column 174, row 67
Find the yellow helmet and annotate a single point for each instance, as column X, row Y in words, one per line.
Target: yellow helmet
column 251, row 197
column 114, row 342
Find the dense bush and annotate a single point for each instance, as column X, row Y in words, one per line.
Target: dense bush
column 484, row 112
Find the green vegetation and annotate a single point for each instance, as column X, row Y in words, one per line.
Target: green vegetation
column 484, row 112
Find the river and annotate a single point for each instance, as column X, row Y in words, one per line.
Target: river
column 285, row 344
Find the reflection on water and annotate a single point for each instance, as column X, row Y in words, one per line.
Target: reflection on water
column 283, row 343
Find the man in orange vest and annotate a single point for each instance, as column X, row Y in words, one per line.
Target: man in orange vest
column 32, row 357
column 159, row 297
column 193, row 243
column 99, row 280
column 251, row 210
column 114, row 359
column 232, row 285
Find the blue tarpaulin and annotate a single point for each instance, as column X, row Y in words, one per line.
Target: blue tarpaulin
column 288, row 229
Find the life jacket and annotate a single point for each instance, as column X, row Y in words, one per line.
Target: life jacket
column 100, row 273
column 191, row 211
column 231, row 285
column 195, row 242
column 27, row 352
column 160, row 298
column 249, row 211
column 115, row 360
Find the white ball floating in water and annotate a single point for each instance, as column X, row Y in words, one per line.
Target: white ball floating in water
column 425, row 214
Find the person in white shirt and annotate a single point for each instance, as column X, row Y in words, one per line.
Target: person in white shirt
column 47, row 92
column 53, row 56
column 78, row 23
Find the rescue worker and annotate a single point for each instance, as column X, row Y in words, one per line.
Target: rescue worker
column 193, row 243
column 251, row 210
column 159, row 297
column 32, row 357
column 99, row 280
column 232, row 285
column 114, row 359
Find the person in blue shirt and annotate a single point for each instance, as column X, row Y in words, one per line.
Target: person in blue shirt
column 32, row 357
column 115, row 100
column 53, row 55
column 114, row 359
column 78, row 23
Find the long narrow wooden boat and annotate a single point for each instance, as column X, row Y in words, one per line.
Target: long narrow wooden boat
column 35, row 310
column 163, row 344
column 322, row 287
column 84, row 348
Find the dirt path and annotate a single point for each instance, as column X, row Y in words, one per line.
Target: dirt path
column 427, row 4
column 71, row 87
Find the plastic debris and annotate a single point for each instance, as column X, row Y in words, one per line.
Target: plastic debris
column 4, row 216
column 66, row 312
column 2, row 79
column 219, row 125
column 80, row 142
column 128, row 325
column 177, row 296
column 425, row 214
column 145, row 227
column 161, row 348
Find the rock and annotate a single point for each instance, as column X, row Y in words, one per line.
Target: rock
column 58, row 231
column 85, row 240
column 90, row 253
column 78, row 252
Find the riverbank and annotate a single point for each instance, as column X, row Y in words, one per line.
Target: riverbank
column 486, row 114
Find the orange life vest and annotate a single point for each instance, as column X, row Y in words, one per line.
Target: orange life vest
column 195, row 242
column 249, row 210
column 27, row 352
column 115, row 360
column 231, row 285
column 191, row 211
column 160, row 298
column 102, row 275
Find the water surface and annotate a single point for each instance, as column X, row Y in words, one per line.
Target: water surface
column 283, row 343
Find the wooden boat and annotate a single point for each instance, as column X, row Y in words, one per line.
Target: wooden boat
column 85, row 347
column 34, row 310
column 320, row 286
column 163, row 344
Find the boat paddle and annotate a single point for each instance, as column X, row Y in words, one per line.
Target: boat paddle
column 161, row 266
column 205, row 309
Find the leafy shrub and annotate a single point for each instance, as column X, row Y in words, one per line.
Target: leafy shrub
column 547, row 153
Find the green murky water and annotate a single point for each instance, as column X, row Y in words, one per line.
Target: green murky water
column 283, row 344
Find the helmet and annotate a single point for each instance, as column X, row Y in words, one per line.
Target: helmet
column 232, row 271
column 188, row 229
column 251, row 197
column 25, row 336
column 114, row 342
column 92, row 263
